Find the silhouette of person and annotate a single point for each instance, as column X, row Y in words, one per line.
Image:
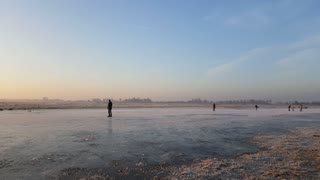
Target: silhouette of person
column 110, row 108
column 289, row 108
column 214, row 107
column 301, row 107
column 256, row 106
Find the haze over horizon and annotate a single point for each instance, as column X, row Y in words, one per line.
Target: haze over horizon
column 162, row 49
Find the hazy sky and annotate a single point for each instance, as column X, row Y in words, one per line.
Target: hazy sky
column 162, row 49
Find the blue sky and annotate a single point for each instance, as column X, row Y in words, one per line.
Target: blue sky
column 164, row 49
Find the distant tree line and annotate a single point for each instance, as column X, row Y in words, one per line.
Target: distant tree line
column 251, row 101
column 195, row 101
column 98, row 100
column 301, row 102
column 199, row 101
column 137, row 100
column 129, row 100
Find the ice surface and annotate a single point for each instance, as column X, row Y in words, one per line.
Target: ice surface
column 38, row 144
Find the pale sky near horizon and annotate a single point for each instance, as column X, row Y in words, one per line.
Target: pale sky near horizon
column 161, row 49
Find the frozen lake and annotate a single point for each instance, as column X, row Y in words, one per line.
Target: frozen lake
column 39, row 144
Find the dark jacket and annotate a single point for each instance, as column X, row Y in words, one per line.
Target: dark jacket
column 110, row 105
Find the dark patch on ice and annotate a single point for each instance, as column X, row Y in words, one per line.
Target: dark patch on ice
column 5, row 163
column 93, row 145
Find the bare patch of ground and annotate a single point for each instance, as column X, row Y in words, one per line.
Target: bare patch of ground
column 294, row 156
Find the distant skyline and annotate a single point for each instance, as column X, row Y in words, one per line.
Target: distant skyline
column 160, row 49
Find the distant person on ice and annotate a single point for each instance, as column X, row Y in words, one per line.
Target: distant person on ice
column 110, row 108
column 214, row 107
column 289, row 108
column 256, row 106
column 301, row 107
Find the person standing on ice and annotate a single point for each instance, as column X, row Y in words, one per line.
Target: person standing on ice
column 214, row 107
column 110, row 108
column 256, row 106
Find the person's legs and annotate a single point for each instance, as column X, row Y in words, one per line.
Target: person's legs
column 109, row 112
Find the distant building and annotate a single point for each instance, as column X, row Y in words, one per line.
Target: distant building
column 45, row 99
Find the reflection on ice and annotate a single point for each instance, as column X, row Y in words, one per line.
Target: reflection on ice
column 110, row 126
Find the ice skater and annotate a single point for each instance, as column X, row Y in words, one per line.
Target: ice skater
column 289, row 108
column 110, row 108
column 301, row 107
column 214, row 107
column 256, row 106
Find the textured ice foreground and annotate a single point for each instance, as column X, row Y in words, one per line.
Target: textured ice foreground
column 38, row 144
